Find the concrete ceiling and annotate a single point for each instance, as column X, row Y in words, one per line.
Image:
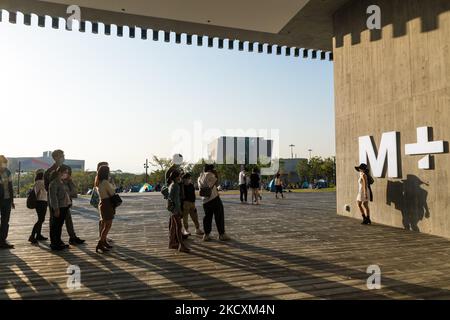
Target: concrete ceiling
column 256, row 15
column 292, row 23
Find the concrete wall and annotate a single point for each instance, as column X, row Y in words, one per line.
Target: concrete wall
column 396, row 79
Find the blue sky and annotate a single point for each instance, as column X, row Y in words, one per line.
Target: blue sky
column 122, row 100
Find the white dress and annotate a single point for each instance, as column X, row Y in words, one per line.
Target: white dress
column 361, row 197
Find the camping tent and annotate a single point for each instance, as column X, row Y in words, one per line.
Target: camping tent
column 146, row 188
column 271, row 186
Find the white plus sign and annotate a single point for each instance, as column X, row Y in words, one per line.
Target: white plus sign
column 424, row 147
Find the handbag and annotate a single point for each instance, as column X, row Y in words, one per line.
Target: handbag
column 116, row 200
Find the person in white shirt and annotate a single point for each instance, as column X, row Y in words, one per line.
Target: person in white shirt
column 243, row 185
column 41, row 207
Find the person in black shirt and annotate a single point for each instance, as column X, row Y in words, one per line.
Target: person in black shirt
column 188, row 206
column 255, row 185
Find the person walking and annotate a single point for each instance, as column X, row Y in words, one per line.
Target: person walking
column 59, row 200
column 278, row 186
column 72, row 191
column 212, row 204
column 176, row 240
column 243, row 185
column 254, row 186
column 188, row 206
column 105, row 191
column 6, row 202
column 364, row 192
column 41, row 207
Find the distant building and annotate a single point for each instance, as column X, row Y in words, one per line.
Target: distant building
column 240, row 150
column 28, row 164
column 289, row 170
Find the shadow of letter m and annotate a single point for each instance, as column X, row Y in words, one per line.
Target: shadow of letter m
column 377, row 160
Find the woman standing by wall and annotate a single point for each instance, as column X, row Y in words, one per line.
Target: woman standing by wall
column 364, row 193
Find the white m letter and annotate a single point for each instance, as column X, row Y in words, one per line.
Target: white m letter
column 388, row 148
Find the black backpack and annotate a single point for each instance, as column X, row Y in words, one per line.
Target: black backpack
column 31, row 199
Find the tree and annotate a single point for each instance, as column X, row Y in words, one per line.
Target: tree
column 304, row 170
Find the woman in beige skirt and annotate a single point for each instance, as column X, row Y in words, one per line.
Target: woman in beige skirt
column 107, row 211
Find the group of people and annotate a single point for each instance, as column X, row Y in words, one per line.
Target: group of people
column 254, row 183
column 54, row 191
column 181, row 204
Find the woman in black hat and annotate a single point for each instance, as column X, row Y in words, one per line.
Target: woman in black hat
column 364, row 193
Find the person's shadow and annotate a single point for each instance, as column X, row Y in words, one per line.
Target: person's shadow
column 410, row 198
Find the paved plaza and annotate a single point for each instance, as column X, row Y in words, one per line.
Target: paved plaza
column 296, row 248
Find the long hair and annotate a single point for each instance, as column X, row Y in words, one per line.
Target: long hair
column 39, row 175
column 102, row 174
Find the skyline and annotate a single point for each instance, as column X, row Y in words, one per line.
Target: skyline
column 114, row 99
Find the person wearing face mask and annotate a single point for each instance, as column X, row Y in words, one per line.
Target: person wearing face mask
column 188, row 206
column 60, row 202
column 6, row 202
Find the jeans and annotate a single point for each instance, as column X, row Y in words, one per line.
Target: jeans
column 5, row 212
column 41, row 210
column 56, row 224
column 243, row 192
column 214, row 208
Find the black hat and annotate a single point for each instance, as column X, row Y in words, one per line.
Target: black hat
column 362, row 166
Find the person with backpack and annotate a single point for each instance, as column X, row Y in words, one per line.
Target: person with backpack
column 6, row 202
column 212, row 204
column 176, row 240
column 364, row 192
column 40, row 205
column 188, row 206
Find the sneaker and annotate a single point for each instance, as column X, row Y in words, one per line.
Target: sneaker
column 186, row 233
column 224, row 237
column 6, row 245
column 364, row 220
column 41, row 238
column 32, row 239
column 369, row 222
column 199, row 232
column 76, row 240
column 206, row 237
